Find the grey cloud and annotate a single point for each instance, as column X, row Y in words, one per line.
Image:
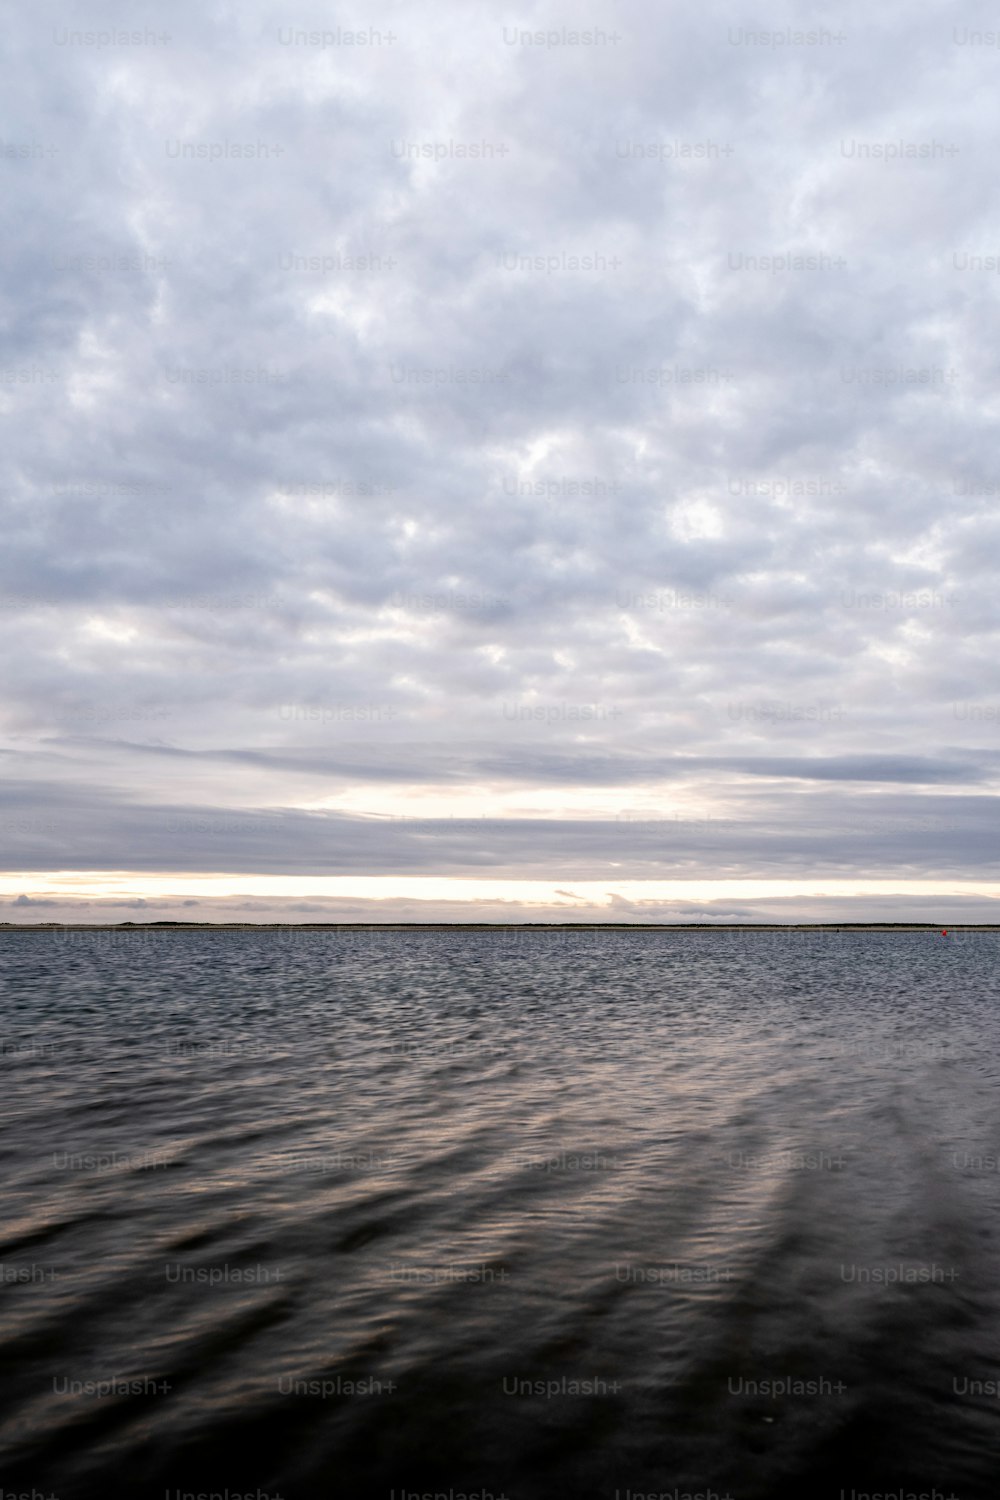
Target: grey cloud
column 820, row 833
column 724, row 524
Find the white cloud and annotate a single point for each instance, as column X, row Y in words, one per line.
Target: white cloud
column 483, row 417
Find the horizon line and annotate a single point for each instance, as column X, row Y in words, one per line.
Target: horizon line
column 502, row 926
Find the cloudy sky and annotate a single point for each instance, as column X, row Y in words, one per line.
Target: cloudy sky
column 474, row 462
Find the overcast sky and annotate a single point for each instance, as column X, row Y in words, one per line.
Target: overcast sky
column 545, row 445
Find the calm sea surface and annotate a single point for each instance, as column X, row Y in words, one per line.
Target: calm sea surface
column 534, row 1215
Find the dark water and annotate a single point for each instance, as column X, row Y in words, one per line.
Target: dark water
column 535, row 1215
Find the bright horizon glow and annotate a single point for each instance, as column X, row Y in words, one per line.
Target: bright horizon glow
column 98, row 884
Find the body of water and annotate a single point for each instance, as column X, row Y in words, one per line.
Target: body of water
column 523, row 1214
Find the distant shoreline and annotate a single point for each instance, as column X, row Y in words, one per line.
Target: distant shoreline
column 126, row 927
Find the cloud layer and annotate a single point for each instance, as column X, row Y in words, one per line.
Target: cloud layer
column 516, row 444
